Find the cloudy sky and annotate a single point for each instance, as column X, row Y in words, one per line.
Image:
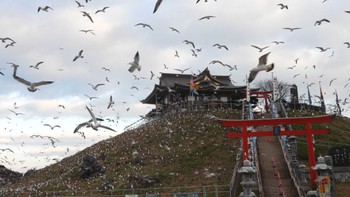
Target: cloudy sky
column 55, row 38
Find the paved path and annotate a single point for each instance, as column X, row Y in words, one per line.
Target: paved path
column 269, row 150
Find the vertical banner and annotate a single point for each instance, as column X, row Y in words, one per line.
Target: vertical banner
column 274, row 89
column 324, row 186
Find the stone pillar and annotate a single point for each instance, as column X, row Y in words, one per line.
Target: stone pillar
column 247, row 183
column 292, row 140
column 323, row 177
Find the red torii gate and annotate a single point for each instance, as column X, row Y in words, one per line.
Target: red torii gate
column 264, row 95
column 275, row 122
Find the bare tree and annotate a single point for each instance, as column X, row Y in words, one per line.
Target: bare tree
column 283, row 88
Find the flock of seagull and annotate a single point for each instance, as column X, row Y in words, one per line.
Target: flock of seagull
column 93, row 121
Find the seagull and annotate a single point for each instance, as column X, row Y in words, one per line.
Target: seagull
column 79, row 5
column 220, row 46
column 46, row 8
column 156, row 6
column 92, row 123
column 182, row 71
column 261, row 66
column 61, row 106
column 8, row 149
column 134, row 87
column 91, row 97
column 102, row 10
column 296, row 75
column 111, row 102
column 189, row 42
column 52, row 127
column 135, row 63
column 291, row 29
column 217, row 62
column 80, row 55
column 282, row 6
column 320, row 21
column 16, row 113
column 330, row 83
column 260, row 48
column 96, row 86
column 32, row 86
column 6, row 38
column 291, row 67
column 173, row 29
column 87, row 15
column 278, row 42
column 323, row 49
column 144, row 25
column 176, row 54
column 347, row 44
column 152, row 75
column 36, row 66
column 88, row 31
column 206, row 17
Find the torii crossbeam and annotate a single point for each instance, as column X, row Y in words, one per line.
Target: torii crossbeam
column 308, row 132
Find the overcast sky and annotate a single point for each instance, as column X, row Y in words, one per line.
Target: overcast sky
column 54, row 37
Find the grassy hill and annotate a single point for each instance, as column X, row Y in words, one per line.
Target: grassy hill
column 178, row 150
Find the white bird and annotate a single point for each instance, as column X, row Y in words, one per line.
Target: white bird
column 291, row 29
column 80, row 55
column 32, row 86
column 260, row 48
column 79, row 4
column 320, row 21
column 92, row 123
column 261, row 66
column 36, row 65
column 87, row 15
column 135, row 63
column 52, row 127
column 102, row 10
column 182, row 71
column 111, row 102
column 220, row 46
column 144, row 25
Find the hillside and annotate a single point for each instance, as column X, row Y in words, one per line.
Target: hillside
column 178, row 150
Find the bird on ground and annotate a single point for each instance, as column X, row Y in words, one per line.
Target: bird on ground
column 87, row 15
column 156, row 6
column 173, row 29
column 80, row 55
column 260, row 48
column 135, row 64
column 88, row 31
column 321, row 21
column 291, row 29
column 282, row 6
column 347, row 44
column 144, row 25
column 46, row 8
column 101, row 10
column 262, row 65
column 189, row 42
column 220, row 46
column 323, row 49
column 79, row 4
column 182, row 71
column 206, row 17
column 36, row 65
column 92, row 123
column 52, row 127
column 32, row 86
column 110, row 102
column 96, row 86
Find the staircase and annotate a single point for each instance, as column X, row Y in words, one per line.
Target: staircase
column 272, row 163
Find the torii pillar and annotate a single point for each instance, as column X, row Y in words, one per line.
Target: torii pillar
column 308, row 132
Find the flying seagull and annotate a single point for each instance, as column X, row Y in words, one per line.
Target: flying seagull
column 220, row 46
column 156, row 6
column 79, row 4
column 111, row 102
column 292, row 28
column 32, row 86
column 80, row 55
column 144, row 25
column 189, row 42
column 46, row 8
column 260, row 48
column 173, row 29
column 182, row 71
column 323, row 49
column 102, row 10
column 206, row 17
column 135, row 63
column 52, row 127
column 36, row 65
column 92, row 123
column 320, row 21
column 88, row 31
column 261, row 66
column 282, row 6
column 87, row 15
column 96, row 86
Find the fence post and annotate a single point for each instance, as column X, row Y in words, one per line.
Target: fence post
column 204, row 192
